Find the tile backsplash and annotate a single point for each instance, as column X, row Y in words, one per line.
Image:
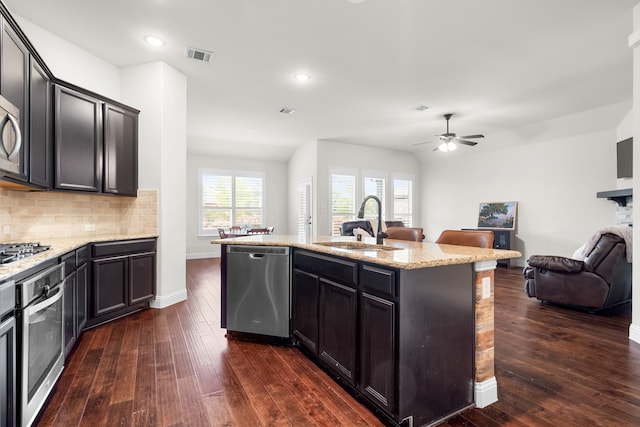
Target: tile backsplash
column 36, row 216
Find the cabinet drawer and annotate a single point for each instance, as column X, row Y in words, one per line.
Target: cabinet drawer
column 379, row 281
column 337, row 269
column 123, row 247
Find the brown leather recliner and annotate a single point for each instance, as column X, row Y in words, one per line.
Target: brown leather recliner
column 601, row 281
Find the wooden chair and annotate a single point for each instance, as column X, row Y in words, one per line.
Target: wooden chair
column 270, row 230
column 414, row 234
column 394, row 224
column 476, row 238
column 222, row 233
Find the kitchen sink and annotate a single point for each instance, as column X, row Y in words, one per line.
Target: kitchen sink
column 357, row 246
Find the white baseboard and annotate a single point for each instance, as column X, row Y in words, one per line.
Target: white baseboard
column 634, row 332
column 163, row 301
column 486, row 392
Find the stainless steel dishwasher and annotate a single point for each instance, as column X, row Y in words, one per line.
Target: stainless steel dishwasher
column 258, row 288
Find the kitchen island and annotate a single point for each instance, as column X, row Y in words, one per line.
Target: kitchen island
column 407, row 326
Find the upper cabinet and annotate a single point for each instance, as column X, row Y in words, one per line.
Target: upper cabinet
column 40, row 127
column 71, row 138
column 14, row 86
column 120, row 150
column 78, row 141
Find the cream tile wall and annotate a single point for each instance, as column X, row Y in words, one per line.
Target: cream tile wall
column 36, row 216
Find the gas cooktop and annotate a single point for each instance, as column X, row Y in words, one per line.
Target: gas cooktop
column 10, row 252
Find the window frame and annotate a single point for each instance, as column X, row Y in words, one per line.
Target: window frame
column 234, row 174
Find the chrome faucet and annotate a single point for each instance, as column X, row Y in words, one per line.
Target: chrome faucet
column 380, row 235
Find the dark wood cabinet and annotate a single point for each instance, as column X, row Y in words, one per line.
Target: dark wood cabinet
column 337, row 328
column 123, row 278
column 120, row 151
column 378, row 370
column 78, row 141
column 40, row 127
column 401, row 338
column 75, row 296
column 8, row 402
column 305, row 289
column 14, row 86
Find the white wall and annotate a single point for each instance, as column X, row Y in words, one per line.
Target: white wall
column 339, row 155
column 553, row 179
column 70, row 63
column 302, row 166
column 276, row 186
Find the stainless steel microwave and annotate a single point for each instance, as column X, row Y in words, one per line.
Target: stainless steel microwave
column 10, row 137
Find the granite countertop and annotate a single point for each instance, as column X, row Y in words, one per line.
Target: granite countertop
column 60, row 246
column 408, row 255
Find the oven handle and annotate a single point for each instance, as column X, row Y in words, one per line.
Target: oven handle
column 52, row 299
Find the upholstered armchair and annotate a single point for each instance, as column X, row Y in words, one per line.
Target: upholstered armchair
column 601, row 280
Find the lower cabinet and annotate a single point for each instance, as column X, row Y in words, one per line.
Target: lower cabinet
column 123, row 277
column 8, row 372
column 75, row 296
column 337, row 328
column 305, row 290
column 403, row 340
column 329, row 303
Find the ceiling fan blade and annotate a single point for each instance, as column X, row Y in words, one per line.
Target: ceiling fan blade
column 471, row 136
column 471, row 143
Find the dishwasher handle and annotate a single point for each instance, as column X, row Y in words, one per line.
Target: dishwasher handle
column 256, row 256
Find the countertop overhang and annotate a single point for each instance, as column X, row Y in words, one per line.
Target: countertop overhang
column 61, row 246
column 409, row 255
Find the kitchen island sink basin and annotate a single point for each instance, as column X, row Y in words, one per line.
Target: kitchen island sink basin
column 357, row 246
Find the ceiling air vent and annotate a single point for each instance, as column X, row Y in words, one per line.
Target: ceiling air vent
column 198, row 54
column 422, row 107
column 286, row 110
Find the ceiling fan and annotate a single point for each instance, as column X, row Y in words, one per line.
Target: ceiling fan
column 449, row 140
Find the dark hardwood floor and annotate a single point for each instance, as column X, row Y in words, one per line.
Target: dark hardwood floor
column 174, row 367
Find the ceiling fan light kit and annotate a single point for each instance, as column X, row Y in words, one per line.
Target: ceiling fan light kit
column 449, row 140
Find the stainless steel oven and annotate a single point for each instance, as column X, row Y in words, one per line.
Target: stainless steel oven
column 40, row 338
column 10, row 137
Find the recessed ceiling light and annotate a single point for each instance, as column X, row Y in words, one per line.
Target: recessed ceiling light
column 154, row 41
column 301, row 77
column 422, row 107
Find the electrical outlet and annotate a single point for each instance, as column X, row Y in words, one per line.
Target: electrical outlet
column 89, row 227
column 486, row 287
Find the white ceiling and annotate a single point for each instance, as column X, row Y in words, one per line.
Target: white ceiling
column 496, row 64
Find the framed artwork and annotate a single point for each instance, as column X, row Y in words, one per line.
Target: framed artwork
column 500, row 215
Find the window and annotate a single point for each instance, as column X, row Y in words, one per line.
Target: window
column 403, row 201
column 374, row 186
column 343, row 201
column 230, row 198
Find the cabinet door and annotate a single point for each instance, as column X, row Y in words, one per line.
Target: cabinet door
column 305, row 288
column 69, row 302
column 8, row 373
column 14, row 78
column 378, row 351
column 142, row 277
column 78, row 141
column 81, row 298
column 120, row 151
column 337, row 328
column 40, row 129
column 110, row 291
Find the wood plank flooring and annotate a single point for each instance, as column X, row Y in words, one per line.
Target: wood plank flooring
column 175, row 367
